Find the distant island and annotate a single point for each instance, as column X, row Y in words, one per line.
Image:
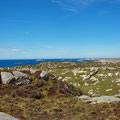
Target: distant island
column 19, row 63
column 80, row 60
column 112, row 60
column 40, row 60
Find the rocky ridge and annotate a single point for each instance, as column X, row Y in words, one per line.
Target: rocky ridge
column 86, row 75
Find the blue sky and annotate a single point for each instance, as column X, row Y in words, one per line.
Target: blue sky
column 59, row 29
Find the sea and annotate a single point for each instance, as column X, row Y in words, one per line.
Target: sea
column 22, row 62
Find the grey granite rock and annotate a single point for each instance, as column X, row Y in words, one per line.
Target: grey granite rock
column 7, row 78
column 23, row 82
column 106, row 99
column 34, row 70
column 19, row 75
column 90, row 75
column 102, row 99
column 4, row 116
column 44, row 75
column 21, row 78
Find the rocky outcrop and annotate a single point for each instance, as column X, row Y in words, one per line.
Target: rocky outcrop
column 21, row 78
column 86, row 77
column 19, row 75
column 90, row 75
column 23, row 82
column 7, row 77
column 15, row 77
column 44, row 75
column 33, row 70
column 4, row 116
column 95, row 72
column 102, row 99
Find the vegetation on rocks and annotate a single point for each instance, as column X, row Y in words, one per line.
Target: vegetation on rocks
column 56, row 88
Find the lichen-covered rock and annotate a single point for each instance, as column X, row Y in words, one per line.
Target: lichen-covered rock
column 23, row 82
column 15, row 77
column 21, row 78
column 34, row 70
column 90, row 75
column 86, row 77
column 7, row 77
column 19, row 75
column 44, row 75
column 102, row 99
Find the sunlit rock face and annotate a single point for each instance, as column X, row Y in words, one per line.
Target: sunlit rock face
column 4, row 116
column 7, row 78
column 15, row 77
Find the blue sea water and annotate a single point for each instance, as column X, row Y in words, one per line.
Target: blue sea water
column 12, row 63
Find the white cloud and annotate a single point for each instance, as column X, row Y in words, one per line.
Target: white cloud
column 74, row 5
column 64, row 5
column 9, row 50
column 14, row 50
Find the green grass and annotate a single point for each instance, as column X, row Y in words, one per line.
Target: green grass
column 61, row 108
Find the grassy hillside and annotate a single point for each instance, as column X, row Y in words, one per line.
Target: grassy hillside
column 56, row 99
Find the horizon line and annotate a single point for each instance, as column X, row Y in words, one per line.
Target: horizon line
column 63, row 58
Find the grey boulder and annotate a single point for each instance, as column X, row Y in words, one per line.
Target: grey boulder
column 15, row 77
column 23, row 82
column 44, row 75
column 7, row 77
column 21, row 78
column 19, row 75
column 34, row 70
column 4, row 116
